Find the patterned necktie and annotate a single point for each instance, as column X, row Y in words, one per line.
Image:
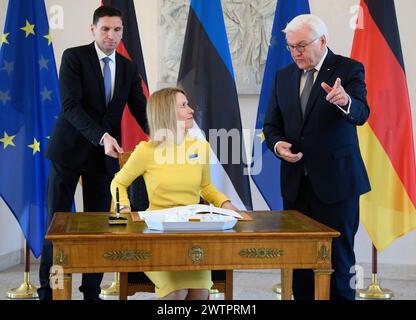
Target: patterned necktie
column 306, row 90
column 107, row 80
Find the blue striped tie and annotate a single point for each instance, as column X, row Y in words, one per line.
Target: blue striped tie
column 107, row 80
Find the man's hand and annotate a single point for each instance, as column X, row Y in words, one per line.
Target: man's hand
column 283, row 150
column 111, row 147
column 336, row 94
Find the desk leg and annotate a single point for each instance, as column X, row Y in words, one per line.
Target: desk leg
column 286, row 278
column 124, row 283
column 322, row 283
column 65, row 291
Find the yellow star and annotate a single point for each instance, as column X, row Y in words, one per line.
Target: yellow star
column 49, row 37
column 261, row 136
column 35, row 146
column 4, row 38
column 28, row 28
column 7, row 140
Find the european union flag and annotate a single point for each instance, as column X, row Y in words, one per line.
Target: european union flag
column 29, row 103
column 266, row 167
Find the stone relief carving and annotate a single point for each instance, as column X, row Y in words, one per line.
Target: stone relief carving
column 248, row 24
column 172, row 26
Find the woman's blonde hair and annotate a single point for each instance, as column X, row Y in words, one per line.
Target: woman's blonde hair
column 162, row 115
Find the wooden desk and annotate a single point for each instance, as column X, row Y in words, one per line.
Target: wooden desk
column 287, row 240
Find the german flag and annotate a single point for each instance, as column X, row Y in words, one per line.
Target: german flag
column 131, row 132
column 131, row 48
column 389, row 210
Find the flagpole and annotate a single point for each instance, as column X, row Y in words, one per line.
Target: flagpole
column 277, row 288
column 26, row 290
column 374, row 291
column 112, row 289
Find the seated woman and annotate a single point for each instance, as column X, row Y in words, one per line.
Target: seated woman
column 175, row 168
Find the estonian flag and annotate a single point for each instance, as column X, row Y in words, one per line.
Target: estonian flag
column 206, row 74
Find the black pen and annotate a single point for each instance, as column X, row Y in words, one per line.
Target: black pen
column 117, row 202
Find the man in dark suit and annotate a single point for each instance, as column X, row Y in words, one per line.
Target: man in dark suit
column 95, row 83
column 311, row 126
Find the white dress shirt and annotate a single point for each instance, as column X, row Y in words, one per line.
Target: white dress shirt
column 315, row 75
column 112, row 65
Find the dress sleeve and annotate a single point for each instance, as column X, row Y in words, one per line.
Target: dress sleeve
column 208, row 191
column 134, row 167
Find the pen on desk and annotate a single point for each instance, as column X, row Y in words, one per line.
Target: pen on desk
column 117, row 202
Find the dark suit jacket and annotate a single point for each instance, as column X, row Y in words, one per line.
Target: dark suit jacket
column 326, row 136
column 85, row 117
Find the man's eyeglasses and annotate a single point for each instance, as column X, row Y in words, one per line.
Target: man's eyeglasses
column 299, row 47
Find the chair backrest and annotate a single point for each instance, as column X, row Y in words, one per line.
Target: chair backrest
column 123, row 157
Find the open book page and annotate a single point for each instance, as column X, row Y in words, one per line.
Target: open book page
column 184, row 213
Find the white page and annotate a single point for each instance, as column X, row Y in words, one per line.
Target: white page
column 185, row 211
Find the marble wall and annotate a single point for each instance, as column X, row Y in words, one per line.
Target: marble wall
column 248, row 24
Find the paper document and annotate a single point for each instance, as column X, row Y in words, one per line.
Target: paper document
column 192, row 217
column 183, row 213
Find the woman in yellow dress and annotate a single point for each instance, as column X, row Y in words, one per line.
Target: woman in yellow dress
column 175, row 168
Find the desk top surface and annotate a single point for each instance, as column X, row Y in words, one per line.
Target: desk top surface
column 275, row 224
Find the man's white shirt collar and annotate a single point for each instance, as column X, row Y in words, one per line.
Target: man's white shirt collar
column 318, row 67
column 112, row 57
column 321, row 62
column 102, row 55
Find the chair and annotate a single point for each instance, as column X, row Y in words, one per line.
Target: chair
column 132, row 282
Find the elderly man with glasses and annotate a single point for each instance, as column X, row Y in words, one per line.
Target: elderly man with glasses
column 315, row 106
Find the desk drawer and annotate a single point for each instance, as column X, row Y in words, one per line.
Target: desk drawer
column 193, row 254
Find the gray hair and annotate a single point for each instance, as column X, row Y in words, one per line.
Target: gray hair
column 315, row 23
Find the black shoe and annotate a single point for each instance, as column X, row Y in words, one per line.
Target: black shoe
column 44, row 294
column 94, row 298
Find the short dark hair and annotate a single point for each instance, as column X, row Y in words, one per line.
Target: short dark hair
column 105, row 11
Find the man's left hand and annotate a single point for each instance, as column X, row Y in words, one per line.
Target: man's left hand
column 111, row 147
column 336, row 94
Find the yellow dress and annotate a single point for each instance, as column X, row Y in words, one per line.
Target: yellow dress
column 175, row 175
